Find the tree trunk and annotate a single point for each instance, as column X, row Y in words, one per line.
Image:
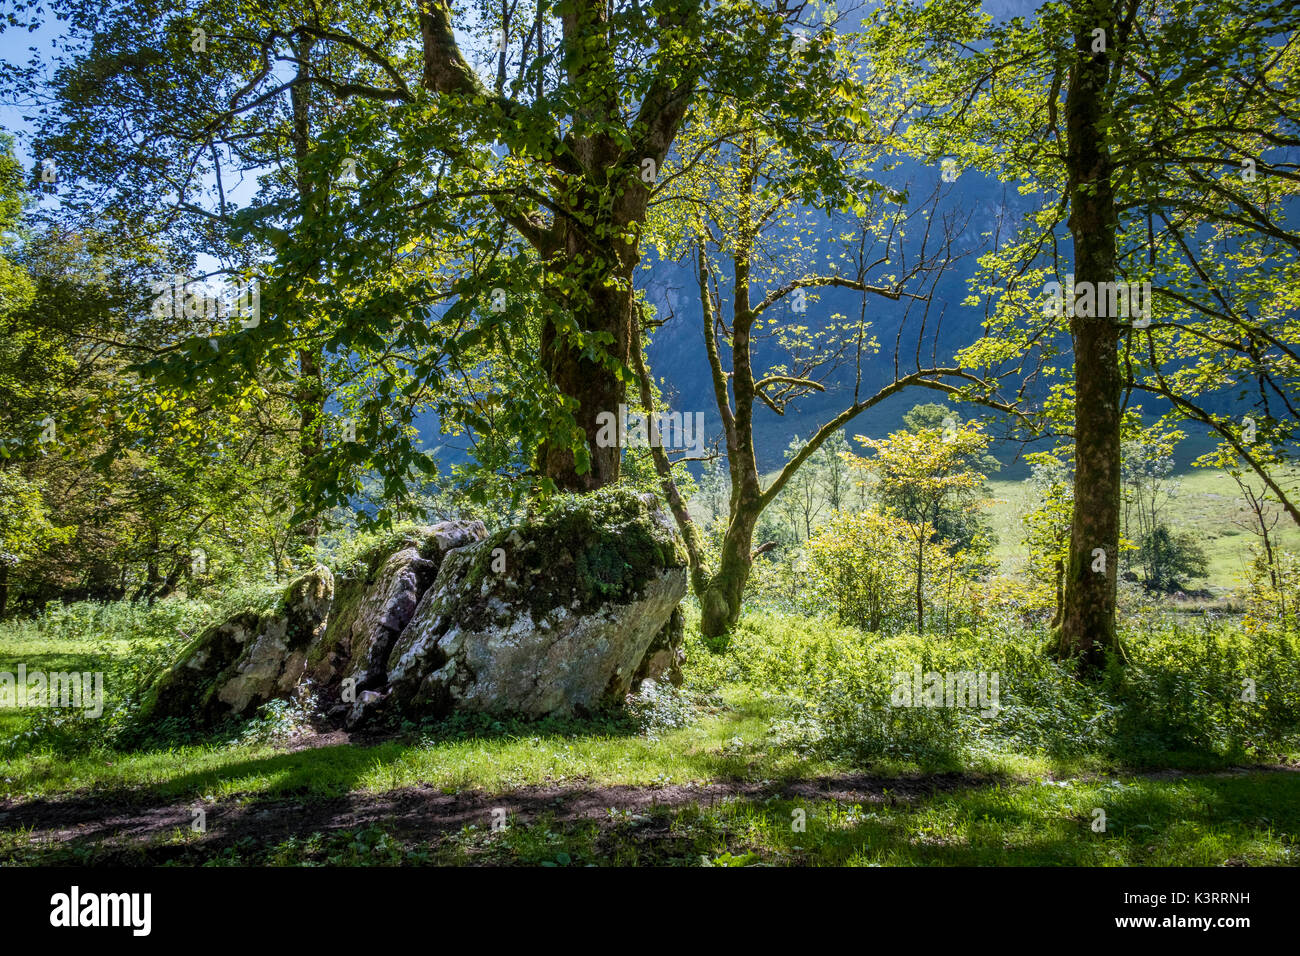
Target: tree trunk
column 173, row 578
column 309, row 397
column 722, row 599
column 310, row 392
column 1060, row 593
column 1088, row 613
column 589, row 385
column 920, row 584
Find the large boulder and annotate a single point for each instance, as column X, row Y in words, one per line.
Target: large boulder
column 561, row 614
column 374, row 601
column 553, row 616
column 235, row 666
column 664, row 657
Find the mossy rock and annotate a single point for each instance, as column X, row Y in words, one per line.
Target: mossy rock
column 579, row 551
column 553, row 616
column 234, row 666
column 375, row 598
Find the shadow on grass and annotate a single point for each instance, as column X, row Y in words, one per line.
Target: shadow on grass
column 921, row 820
column 97, row 831
column 1241, row 819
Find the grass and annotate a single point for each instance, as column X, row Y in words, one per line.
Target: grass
column 38, row 651
column 1209, row 505
column 781, row 706
column 727, row 744
column 1238, row 819
column 91, row 636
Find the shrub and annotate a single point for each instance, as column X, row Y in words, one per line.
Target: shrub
column 1183, row 691
column 858, row 570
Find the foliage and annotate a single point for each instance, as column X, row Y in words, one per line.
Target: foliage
column 858, row 569
column 1047, row 526
column 1170, row 558
column 1273, row 593
column 1182, row 692
column 931, row 479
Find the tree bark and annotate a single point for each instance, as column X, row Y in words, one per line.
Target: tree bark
column 310, row 392
column 721, row 602
column 598, row 203
column 920, row 582
column 599, row 306
column 1087, row 628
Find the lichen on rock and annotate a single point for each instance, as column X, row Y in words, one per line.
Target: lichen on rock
column 551, row 616
column 375, row 601
column 561, row 613
column 234, row 666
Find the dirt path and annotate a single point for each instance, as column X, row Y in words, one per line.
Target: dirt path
column 415, row 812
column 425, row 810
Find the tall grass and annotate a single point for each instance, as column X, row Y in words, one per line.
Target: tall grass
column 1212, row 693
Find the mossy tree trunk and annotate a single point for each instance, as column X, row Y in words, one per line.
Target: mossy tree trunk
column 310, row 391
column 598, row 297
column 920, row 582
column 738, row 391
column 1087, row 627
column 586, row 229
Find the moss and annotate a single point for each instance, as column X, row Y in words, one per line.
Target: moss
column 181, row 691
column 593, row 549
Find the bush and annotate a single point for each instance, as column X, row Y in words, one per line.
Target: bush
column 862, row 568
column 1272, row 594
column 152, row 635
column 1170, row 558
column 1183, row 691
column 858, row 569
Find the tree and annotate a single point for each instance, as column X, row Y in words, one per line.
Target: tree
column 741, row 208
column 536, row 133
column 15, row 285
column 834, row 471
column 804, row 490
column 222, row 96
column 1148, row 486
column 921, row 475
column 1047, row 525
column 858, row 567
column 25, row 527
column 1168, row 109
column 957, row 525
column 1169, row 557
column 113, row 486
column 1262, row 521
column 1088, row 607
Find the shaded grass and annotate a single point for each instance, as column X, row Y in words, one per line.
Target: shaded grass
column 742, row 732
column 1237, row 819
column 39, row 652
column 728, row 744
column 1209, row 821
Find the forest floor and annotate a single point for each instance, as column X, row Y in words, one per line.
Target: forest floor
column 736, row 780
column 1013, row 813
